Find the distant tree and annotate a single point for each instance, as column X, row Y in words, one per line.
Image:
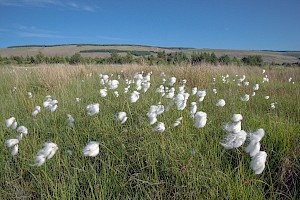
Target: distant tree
column 32, row 60
column 161, row 55
column 253, row 60
column 128, row 58
column 75, row 59
column 39, row 58
column 151, row 59
column 213, row 58
column 195, row 58
column 16, row 59
column 115, row 58
column 225, row 60
column 63, row 60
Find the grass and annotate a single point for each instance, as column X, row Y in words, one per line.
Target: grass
column 134, row 162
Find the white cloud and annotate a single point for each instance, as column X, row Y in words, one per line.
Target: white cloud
column 33, row 31
column 110, row 38
column 73, row 5
column 31, row 3
column 40, row 35
column 88, row 8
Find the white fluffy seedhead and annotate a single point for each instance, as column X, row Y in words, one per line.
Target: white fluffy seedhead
column 91, row 149
column 93, row 109
column 11, row 123
column 237, row 118
column 258, row 162
column 122, row 117
column 234, row 140
column 220, row 103
column 200, row 119
column 160, row 127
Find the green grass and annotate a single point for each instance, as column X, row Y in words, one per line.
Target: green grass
column 134, row 162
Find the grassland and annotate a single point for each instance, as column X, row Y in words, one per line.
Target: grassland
column 134, row 162
column 68, row 50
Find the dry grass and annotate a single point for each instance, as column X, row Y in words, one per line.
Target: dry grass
column 55, row 76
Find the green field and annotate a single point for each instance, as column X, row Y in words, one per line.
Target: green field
column 135, row 162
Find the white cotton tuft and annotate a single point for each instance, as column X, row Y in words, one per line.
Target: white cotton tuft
column 113, row 84
column 93, row 109
column 23, row 131
column 254, row 146
column 70, row 120
column 181, row 100
column 194, row 90
column 220, row 103
column 160, row 127
column 237, row 117
column 200, row 119
column 193, row 109
column 177, row 122
column 273, row 105
column 201, row 94
column 29, row 95
column 154, row 111
column 233, row 127
column 134, row 96
column 234, row 140
column 172, row 81
column 103, row 92
column 11, row 142
column 116, row 94
column 256, row 87
column 91, row 149
column 50, row 104
column 15, row 150
column 257, row 135
column 215, row 91
column 11, row 123
column 37, row 110
column 47, row 152
column 146, row 86
column 258, row 162
column 122, row 117
column 171, row 93
column 235, row 135
column 246, row 97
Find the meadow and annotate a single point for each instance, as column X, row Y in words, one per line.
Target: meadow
column 136, row 160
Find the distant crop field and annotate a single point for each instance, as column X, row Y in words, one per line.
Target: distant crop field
column 149, row 132
column 90, row 50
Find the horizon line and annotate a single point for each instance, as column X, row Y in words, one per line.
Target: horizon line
column 141, row 45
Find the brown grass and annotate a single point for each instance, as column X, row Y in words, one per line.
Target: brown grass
column 53, row 76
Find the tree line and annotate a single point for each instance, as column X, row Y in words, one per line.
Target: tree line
column 159, row 58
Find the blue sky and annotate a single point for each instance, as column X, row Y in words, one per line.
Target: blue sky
column 216, row 24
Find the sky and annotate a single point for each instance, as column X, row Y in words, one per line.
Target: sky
column 214, row 24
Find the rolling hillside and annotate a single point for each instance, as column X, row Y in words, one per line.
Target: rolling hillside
column 91, row 50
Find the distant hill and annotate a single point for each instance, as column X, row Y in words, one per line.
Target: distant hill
column 105, row 50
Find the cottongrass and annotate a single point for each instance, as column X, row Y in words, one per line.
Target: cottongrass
column 133, row 154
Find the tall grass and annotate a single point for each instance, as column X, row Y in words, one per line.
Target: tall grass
column 134, row 162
